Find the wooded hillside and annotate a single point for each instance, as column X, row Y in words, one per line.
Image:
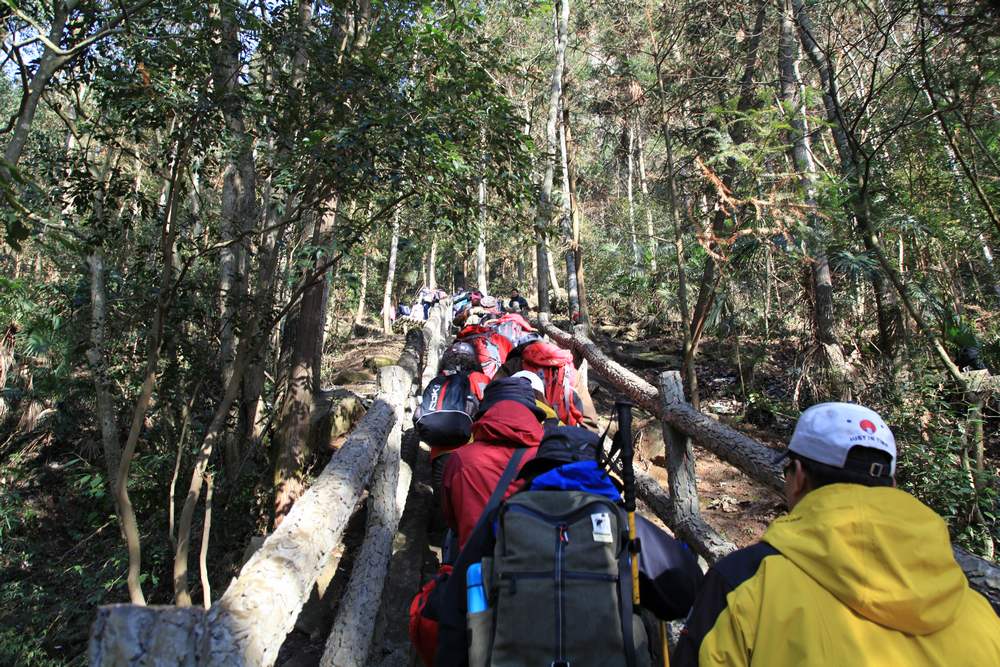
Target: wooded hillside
column 212, row 211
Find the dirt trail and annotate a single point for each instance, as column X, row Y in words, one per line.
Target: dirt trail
column 730, row 501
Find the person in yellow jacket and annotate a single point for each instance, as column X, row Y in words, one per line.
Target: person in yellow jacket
column 857, row 574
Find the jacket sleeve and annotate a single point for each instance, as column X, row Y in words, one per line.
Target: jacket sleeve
column 452, row 472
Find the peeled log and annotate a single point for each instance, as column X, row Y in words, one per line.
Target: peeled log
column 435, row 334
column 350, row 638
column 249, row 623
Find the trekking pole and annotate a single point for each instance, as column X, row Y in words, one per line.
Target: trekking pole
column 624, row 414
column 624, row 410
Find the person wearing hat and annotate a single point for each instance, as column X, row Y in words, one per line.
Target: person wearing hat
column 858, row 573
column 508, row 418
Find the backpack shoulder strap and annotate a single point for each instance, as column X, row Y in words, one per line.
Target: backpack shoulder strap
column 501, row 489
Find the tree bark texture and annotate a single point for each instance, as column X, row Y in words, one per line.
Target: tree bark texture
column 566, row 223
column 350, row 638
column 543, row 214
column 98, row 365
column 390, row 277
column 293, row 417
column 801, row 152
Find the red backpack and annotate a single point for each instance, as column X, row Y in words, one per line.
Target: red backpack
column 555, row 366
column 513, row 327
column 492, row 348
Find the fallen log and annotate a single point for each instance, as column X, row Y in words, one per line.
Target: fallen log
column 750, row 456
column 682, row 482
column 350, row 638
column 248, row 624
column 745, row 453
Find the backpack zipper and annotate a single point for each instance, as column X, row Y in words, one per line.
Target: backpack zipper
column 562, row 539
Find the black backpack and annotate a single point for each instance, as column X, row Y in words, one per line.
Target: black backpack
column 444, row 418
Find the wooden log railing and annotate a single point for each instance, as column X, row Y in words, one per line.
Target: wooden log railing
column 678, row 505
column 248, row 624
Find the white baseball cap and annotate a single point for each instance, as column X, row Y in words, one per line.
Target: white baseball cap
column 826, row 432
column 536, row 382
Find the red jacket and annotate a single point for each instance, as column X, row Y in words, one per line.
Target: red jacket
column 473, row 470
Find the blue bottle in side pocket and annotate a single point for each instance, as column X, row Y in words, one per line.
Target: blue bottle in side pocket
column 475, row 595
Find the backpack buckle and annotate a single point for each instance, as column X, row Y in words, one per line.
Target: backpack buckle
column 634, row 546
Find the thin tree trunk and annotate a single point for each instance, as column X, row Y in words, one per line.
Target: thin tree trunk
column 390, row 277
column 543, row 214
column 644, row 187
column 791, row 91
column 359, row 315
column 98, row 364
column 566, row 223
column 127, row 514
column 482, row 277
column 432, row 264
column 887, row 310
column 581, row 283
column 206, row 590
column 630, row 169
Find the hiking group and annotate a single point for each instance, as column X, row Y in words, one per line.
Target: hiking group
column 546, row 563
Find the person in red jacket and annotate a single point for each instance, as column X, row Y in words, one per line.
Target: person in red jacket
column 508, row 418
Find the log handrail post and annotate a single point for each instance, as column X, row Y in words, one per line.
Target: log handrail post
column 682, row 481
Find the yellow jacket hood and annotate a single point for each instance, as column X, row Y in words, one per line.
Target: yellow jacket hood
column 879, row 551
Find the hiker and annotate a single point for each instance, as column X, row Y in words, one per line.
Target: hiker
column 858, row 573
column 428, row 298
column 565, row 389
column 517, row 303
column 508, row 419
column 593, row 597
column 452, row 428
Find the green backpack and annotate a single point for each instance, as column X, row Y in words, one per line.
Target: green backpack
column 559, row 586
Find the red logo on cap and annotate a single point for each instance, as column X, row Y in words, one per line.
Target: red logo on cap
column 867, row 426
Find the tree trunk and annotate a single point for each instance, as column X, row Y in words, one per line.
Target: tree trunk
column 644, row 187
column 791, row 91
column 291, row 438
column 581, row 283
column 239, row 179
column 630, row 175
column 432, row 264
column 566, row 222
column 387, row 310
column 359, row 315
column 482, row 278
column 48, row 65
column 543, row 214
column 888, row 314
column 98, row 364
